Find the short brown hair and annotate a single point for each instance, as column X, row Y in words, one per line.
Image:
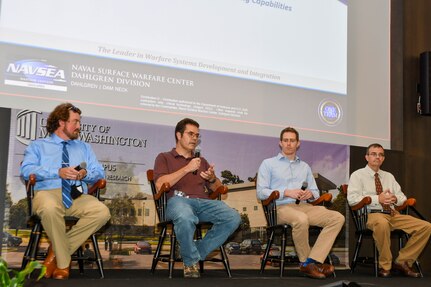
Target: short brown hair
column 289, row 130
column 374, row 145
column 181, row 126
column 60, row 113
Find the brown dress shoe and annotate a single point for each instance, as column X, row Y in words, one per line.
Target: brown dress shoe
column 326, row 269
column 384, row 273
column 50, row 262
column 61, row 274
column 311, row 271
column 405, row 269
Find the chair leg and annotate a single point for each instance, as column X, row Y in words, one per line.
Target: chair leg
column 376, row 260
column 418, row 267
column 283, row 251
column 32, row 247
column 80, row 259
column 400, row 246
column 172, row 253
column 156, row 256
column 225, row 261
column 201, row 266
column 99, row 260
column 355, row 255
column 31, row 252
column 266, row 254
column 330, row 262
column 26, row 255
column 224, row 258
column 198, row 233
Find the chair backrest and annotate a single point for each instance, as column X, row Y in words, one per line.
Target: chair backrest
column 359, row 215
column 159, row 198
column 269, row 207
column 360, row 218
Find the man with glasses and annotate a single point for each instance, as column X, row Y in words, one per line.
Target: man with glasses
column 385, row 193
column 61, row 187
column 190, row 177
column 293, row 178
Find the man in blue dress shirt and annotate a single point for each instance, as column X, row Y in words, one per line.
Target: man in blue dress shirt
column 54, row 160
column 288, row 174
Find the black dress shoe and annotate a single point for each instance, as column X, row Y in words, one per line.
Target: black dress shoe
column 405, row 269
column 384, row 273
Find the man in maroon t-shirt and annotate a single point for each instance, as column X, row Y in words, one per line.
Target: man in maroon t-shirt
column 191, row 178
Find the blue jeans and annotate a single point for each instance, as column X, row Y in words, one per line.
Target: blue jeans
column 187, row 212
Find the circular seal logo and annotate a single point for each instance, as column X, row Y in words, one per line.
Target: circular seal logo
column 330, row 112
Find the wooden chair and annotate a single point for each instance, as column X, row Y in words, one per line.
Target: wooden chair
column 359, row 215
column 160, row 201
column 32, row 251
column 273, row 229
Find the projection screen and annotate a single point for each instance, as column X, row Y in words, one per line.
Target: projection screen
column 241, row 66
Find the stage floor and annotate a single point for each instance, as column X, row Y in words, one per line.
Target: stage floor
column 217, row 277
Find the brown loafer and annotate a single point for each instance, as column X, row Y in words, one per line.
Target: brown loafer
column 326, row 269
column 50, row 263
column 311, row 270
column 384, row 273
column 61, row 274
column 405, row 269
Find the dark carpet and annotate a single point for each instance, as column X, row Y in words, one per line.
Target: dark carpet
column 250, row 278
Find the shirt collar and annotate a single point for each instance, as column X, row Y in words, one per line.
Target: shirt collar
column 175, row 153
column 372, row 172
column 55, row 138
column 280, row 156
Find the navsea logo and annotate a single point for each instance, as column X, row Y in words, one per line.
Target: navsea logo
column 35, row 74
column 26, row 126
column 330, row 112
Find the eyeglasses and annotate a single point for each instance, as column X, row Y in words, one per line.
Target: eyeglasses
column 74, row 122
column 193, row 135
column 374, row 154
column 74, row 109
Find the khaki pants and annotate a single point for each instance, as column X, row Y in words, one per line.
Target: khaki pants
column 382, row 225
column 300, row 217
column 92, row 214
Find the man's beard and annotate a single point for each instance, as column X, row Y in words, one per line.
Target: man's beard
column 72, row 136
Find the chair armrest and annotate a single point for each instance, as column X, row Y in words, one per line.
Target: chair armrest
column 100, row 184
column 326, row 197
column 31, row 180
column 273, row 196
column 365, row 201
column 344, row 189
column 409, row 202
column 29, row 188
column 222, row 189
column 166, row 187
